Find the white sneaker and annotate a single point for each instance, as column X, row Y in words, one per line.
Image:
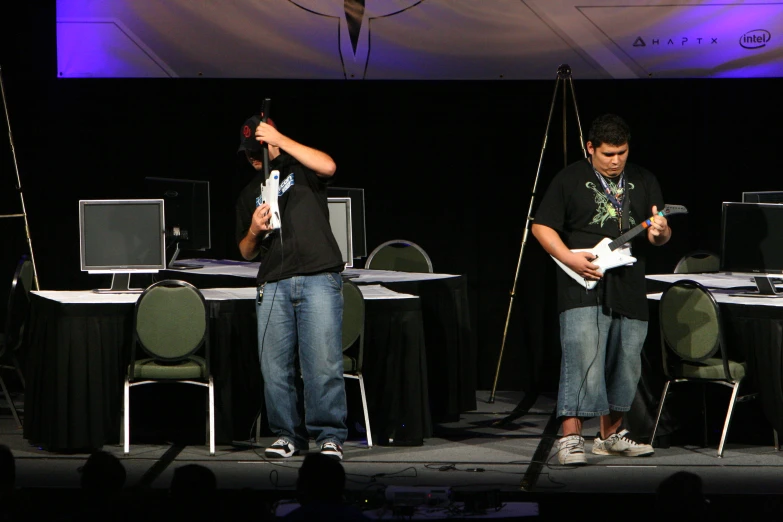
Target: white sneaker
column 281, row 449
column 619, row 444
column 571, row 451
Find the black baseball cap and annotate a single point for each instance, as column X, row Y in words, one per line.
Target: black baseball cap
column 247, row 134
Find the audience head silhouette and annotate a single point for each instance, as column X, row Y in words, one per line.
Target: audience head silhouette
column 681, row 494
column 321, row 479
column 193, row 480
column 103, row 473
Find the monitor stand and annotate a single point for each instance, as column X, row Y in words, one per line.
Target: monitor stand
column 180, row 266
column 120, row 284
column 766, row 288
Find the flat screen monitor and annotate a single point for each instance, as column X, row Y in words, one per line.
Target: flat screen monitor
column 120, row 237
column 752, row 243
column 187, row 215
column 762, row 197
column 357, row 216
column 342, row 229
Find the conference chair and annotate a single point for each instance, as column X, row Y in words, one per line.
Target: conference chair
column 170, row 325
column 694, row 349
column 400, row 255
column 698, row 261
column 353, row 344
column 12, row 337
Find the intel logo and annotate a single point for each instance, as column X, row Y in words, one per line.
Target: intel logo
column 755, row 39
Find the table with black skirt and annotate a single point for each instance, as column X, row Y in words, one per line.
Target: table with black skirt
column 753, row 331
column 79, row 347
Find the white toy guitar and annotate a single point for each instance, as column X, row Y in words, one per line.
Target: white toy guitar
column 269, row 192
column 610, row 253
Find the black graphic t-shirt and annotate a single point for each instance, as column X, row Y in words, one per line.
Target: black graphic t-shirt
column 577, row 206
column 307, row 245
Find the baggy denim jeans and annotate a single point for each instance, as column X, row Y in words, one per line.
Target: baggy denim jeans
column 304, row 312
column 601, row 362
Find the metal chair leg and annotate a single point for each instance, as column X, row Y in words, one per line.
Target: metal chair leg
column 126, row 416
column 777, row 442
column 211, row 416
column 366, row 412
column 660, row 410
column 728, row 418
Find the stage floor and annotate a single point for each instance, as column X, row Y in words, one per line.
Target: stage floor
column 516, row 458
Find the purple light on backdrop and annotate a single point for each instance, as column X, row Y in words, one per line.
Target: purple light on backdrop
column 740, row 40
column 699, row 40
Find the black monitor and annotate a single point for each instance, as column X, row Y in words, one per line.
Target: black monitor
column 187, row 214
column 752, row 243
column 763, row 197
column 357, row 216
column 120, row 237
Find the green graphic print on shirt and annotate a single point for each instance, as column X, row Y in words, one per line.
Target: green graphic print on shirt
column 605, row 210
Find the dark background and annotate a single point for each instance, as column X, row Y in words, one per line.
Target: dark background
column 449, row 165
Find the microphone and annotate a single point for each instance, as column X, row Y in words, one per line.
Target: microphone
column 265, row 108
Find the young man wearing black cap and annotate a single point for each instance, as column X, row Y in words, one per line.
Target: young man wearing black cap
column 300, row 301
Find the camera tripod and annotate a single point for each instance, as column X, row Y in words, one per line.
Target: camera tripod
column 564, row 77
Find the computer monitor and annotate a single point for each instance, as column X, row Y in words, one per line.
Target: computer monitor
column 120, row 237
column 341, row 222
column 357, row 216
column 187, row 214
column 752, row 243
column 763, row 197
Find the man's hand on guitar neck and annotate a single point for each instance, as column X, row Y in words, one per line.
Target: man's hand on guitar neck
column 658, row 233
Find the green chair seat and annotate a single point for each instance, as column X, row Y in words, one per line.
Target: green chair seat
column 712, row 370
column 194, row 368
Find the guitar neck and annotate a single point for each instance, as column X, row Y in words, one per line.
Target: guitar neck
column 635, row 231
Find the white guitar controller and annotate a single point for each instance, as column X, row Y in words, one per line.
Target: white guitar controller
column 269, row 193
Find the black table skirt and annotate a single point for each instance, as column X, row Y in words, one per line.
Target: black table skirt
column 451, row 344
column 448, row 334
column 77, row 356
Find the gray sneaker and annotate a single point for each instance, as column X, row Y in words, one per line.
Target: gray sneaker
column 619, row 444
column 571, row 451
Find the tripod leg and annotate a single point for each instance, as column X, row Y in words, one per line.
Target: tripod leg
column 520, row 410
column 563, row 73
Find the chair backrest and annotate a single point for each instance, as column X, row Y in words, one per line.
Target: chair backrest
column 171, row 320
column 18, row 305
column 698, row 261
column 353, row 319
column 400, row 255
column 690, row 321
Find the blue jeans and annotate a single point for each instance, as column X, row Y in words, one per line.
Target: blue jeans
column 601, row 362
column 304, row 311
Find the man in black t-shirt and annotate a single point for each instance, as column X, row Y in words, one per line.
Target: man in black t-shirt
column 603, row 325
column 300, row 302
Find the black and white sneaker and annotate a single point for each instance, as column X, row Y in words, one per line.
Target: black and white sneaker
column 281, row 449
column 332, row 449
